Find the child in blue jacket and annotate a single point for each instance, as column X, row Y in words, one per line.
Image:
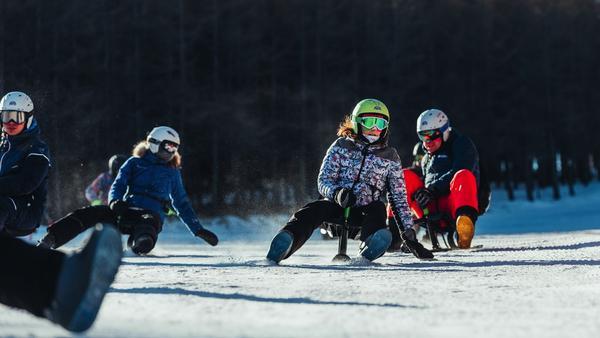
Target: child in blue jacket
column 146, row 185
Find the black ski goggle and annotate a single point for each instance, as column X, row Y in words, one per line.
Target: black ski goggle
column 430, row 135
column 168, row 146
column 15, row 116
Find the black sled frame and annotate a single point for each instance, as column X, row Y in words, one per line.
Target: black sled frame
column 341, row 230
column 432, row 224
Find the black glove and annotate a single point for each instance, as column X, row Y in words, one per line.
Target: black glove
column 423, row 196
column 345, row 198
column 119, row 206
column 410, row 241
column 208, row 236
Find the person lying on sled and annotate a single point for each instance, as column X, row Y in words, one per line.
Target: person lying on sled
column 358, row 168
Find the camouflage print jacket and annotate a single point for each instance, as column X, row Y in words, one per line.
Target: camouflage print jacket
column 382, row 172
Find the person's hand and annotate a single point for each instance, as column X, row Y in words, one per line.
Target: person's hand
column 345, row 198
column 207, row 235
column 119, row 206
column 410, row 241
column 423, row 196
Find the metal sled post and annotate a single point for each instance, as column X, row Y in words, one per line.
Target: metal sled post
column 343, row 240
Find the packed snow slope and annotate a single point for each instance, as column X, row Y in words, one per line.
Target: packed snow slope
column 537, row 275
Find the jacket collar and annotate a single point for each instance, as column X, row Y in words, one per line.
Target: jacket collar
column 361, row 144
column 30, row 133
column 150, row 157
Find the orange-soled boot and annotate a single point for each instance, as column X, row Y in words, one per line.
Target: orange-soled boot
column 465, row 230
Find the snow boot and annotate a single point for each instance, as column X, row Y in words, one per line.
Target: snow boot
column 465, row 230
column 376, row 244
column 280, row 246
column 84, row 279
column 142, row 244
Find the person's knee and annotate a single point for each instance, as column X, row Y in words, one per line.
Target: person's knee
column 413, row 181
column 143, row 239
column 464, row 174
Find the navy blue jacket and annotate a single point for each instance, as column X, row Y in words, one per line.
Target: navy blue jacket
column 149, row 183
column 457, row 153
column 24, row 168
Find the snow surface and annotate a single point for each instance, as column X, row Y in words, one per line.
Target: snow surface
column 528, row 280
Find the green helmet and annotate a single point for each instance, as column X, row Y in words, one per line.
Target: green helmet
column 368, row 106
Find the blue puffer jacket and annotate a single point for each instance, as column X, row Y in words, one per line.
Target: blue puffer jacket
column 149, row 183
column 24, row 167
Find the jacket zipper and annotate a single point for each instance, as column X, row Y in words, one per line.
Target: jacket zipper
column 2, row 159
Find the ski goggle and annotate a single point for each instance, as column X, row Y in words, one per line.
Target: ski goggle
column 430, row 135
column 15, row 116
column 168, row 146
column 371, row 122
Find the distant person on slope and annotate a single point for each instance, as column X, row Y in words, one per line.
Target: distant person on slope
column 147, row 183
column 24, row 167
column 97, row 192
column 358, row 168
column 450, row 176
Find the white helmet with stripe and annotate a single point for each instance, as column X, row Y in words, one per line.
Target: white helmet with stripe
column 18, row 102
column 164, row 142
column 434, row 119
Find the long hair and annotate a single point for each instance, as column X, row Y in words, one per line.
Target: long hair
column 140, row 149
column 345, row 129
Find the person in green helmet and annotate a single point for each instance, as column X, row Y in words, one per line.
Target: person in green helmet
column 358, row 169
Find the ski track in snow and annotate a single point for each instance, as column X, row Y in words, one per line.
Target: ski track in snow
column 517, row 285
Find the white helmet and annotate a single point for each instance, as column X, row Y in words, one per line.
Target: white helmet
column 18, row 102
column 159, row 135
column 434, row 119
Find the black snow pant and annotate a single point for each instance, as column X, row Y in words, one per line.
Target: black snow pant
column 369, row 218
column 133, row 222
column 29, row 275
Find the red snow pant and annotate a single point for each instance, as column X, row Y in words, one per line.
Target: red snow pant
column 463, row 193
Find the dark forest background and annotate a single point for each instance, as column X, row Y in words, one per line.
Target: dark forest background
column 257, row 88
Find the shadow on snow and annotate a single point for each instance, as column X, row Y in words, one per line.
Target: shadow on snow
column 503, row 263
column 553, row 247
column 324, row 267
column 239, row 296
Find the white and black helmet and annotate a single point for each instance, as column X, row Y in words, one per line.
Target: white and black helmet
column 164, row 142
column 17, row 106
column 433, row 123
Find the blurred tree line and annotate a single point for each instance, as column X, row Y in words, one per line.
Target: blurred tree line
column 257, row 88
